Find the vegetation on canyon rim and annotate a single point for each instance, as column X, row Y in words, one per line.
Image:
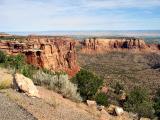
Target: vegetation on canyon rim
column 88, row 84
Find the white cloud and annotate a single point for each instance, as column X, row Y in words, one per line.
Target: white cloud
column 112, row 4
column 72, row 14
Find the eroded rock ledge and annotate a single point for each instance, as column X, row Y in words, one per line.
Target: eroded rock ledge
column 52, row 53
column 101, row 45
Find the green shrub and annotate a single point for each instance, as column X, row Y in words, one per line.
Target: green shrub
column 102, row 99
column 88, row 84
column 157, row 103
column 118, row 87
column 27, row 70
column 138, row 102
column 15, row 61
column 2, row 57
column 59, row 83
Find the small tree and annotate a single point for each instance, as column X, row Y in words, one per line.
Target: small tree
column 15, row 61
column 2, row 57
column 118, row 87
column 27, row 70
column 138, row 102
column 102, row 99
column 157, row 103
column 88, row 84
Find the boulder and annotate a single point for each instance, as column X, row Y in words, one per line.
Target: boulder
column 101, row 107
column 123, row 96
column 119, row 111
column 104, row 89
column 111, row 109
column 104, row 115
column 91, row 103
column 25, row 84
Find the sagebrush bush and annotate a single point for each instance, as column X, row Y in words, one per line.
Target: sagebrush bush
column 40, row 78
column 138, row 102
column 102, row 99
column 88, row 84
column 59, row 83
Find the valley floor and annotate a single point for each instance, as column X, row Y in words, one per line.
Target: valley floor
column 129, row 69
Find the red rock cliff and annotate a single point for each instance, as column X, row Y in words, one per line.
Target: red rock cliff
column 101, row 45
column 53, row 53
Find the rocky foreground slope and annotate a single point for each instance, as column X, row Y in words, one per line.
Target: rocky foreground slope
column 11, row 111
column 53, row 106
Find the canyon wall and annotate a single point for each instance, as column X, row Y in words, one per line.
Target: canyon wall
column 52, row 53
column 103, row 45
column 59, row 53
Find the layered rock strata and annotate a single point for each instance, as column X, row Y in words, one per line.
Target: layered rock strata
column 102, row 45
column 52, row 53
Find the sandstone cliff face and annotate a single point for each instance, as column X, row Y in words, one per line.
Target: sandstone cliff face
column 101, row 45
column 57, row 53
column 52, row 53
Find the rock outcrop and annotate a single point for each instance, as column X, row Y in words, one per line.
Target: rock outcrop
column 3, row 34
column 119, row 111
column 56, row 54
column 52, row 53
column 102, row 45
column 26, row 85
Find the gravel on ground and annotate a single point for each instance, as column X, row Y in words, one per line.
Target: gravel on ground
column 9, row 110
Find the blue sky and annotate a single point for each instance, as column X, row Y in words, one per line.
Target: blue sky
column 46, row 15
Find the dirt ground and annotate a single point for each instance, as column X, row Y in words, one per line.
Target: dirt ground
column 51, row 106
column 12, row 111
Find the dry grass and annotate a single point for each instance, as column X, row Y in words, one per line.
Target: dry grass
column 4, row 84
column 52, row 101
column 14, row 97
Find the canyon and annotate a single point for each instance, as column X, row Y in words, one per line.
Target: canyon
column 58, row 53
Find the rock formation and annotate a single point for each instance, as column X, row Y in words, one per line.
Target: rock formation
column 52, row 53
column 101, row 45
column 3, row 34
column 26, row 85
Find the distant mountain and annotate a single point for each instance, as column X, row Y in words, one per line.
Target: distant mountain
column 3, row 34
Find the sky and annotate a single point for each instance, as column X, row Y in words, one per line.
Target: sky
column 70, row 15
